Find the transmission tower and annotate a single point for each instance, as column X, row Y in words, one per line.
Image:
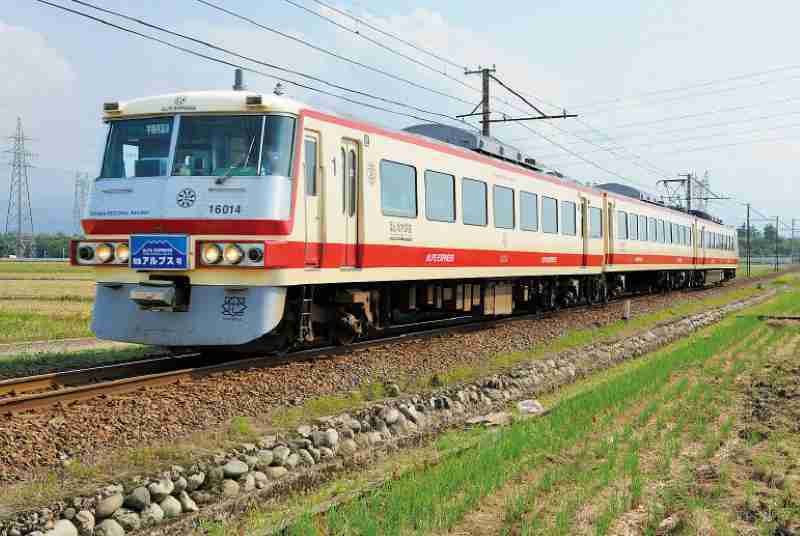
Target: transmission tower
column 79, row 203
column 19, row 218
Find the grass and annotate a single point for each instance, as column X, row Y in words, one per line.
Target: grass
column 438, row 498
column 44, row 301
column 29, row 364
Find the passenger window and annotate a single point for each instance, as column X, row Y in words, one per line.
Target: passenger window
column 440, row 196
column 653, row 232
column 622, row 225
column 633, row 227
column 595, row 223
column 503, row 207
column 344, row 181
column 568, row 214
column 642, row 228
column 398, row 189
column 528, row 211
column 310, row 147
column 549, row 215
column 473, row 202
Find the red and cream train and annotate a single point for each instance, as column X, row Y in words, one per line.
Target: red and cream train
column 235, row 218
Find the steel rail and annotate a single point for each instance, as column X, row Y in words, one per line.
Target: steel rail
column 37, row 392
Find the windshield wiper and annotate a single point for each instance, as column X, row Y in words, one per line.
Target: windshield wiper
column 242, row 162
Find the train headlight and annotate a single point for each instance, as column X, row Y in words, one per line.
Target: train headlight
column 233, row 254
column 255, row 254
column 105, row 253
column 86, row 253
column 212, row 254
column 122, row 252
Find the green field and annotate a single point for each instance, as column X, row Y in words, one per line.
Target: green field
column 44, row 301
column 668, row 440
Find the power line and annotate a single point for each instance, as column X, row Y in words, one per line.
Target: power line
column 391, row 35
column 692, row 86
column 255, row 60
column 232, row 64
column 330, row 53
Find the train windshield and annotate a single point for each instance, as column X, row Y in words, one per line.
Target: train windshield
column 232, row 146
column 137, row 148
column 244, row 145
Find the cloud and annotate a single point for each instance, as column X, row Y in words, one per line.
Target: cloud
column 29, row 67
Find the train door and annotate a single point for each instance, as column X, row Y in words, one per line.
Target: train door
column 311, row 167
column 585, row 231
column 350, row 179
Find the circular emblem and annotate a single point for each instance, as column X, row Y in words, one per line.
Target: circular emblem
column 180, row 100
column 186, row 198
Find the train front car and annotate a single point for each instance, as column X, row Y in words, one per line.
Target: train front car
column 192, row 204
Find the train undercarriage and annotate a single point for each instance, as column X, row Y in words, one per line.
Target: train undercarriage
column 342, row 314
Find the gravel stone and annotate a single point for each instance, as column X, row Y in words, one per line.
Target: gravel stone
column 180, row 484
column 280, row 455
column 260, row 479
column 389, row 415
column 195, row 480
column 62, row 527
column 161, row 489
column 348, row 447
column 152, row 515
column 265, row 458
column 127, row 519
column 107, row 506
column 109, row 527
column 235, row 469
column 215, row 475
column 304, row 430
column 292, row 461
column 171, row 507
column 187, row 504
column 138, row 499
column 275, row 473
column 305, row 457
column 230, row 488
column 85, row 522
column 325, row 453
column 248, row 483
column 315, row 454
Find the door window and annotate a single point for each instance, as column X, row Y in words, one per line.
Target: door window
column 311, row 166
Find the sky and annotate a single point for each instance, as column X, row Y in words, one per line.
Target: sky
column 613, row 63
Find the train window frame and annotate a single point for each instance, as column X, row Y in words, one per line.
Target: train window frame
column 310, row 181
column 533, row 225
column 429, row 178
column 565, row 207
column 595, row 214
column 504, row 189
column 550, row 223
column 622, row 230
column 652, row 229
column 643, row 228
column 485, row 205
column 352, row 176
column 398, row 213
column 633, row 230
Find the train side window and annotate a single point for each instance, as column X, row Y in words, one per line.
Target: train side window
column 528, row 211
column 652, row 229
column 473, row 202
column 595, row 222
column 310, row 147
column 643, row 228
column 633, row 227
column 568, row 215
column 352, row 176
column 622, row 225
column 669, row 235
column 503, row 207
column 440, row 196
column 398, row 189
column 549, row 215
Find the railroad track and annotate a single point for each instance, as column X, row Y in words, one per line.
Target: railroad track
column 19, row 395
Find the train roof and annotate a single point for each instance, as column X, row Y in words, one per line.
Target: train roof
column 225, row 101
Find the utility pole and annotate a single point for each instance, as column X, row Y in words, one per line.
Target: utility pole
column 777, row 226
column 19, row 218
column 792, row 245
column 486, row 74
column 749, row 254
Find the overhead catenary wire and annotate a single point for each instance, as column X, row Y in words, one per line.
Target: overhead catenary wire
column 336, row 55
column 255, row 60
column 233, row 64
column 634, row 159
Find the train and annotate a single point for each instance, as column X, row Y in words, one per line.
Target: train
column 247, row 220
